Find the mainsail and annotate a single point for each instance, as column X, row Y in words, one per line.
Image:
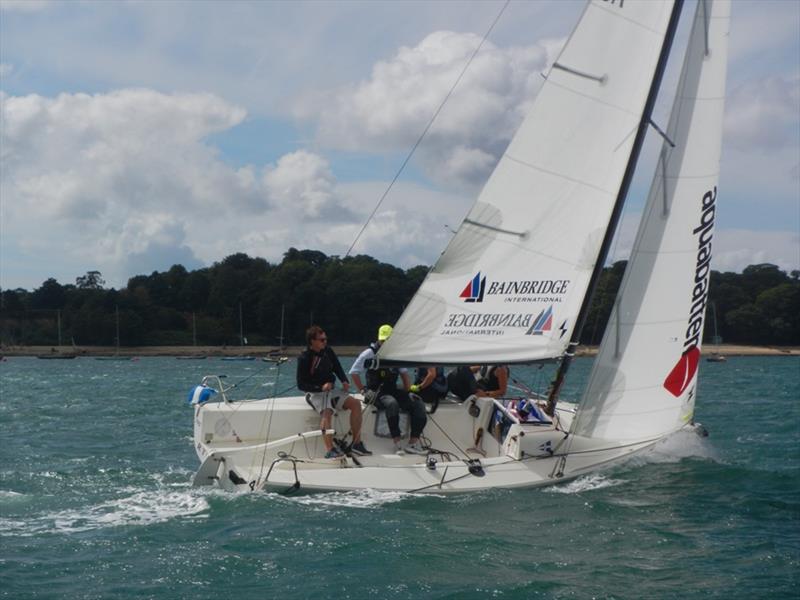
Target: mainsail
column 643, row 381
column 511, row 282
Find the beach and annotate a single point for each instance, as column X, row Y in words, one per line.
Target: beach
column 291, row 351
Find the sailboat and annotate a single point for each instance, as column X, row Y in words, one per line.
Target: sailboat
column 276, row 354
column 515, row 283
column 242, row 341
column 57, row 354
column 116, row 356
column 194, row 343
column 715, row 356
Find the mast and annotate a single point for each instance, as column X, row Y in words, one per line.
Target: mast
column 283, row 312
column 241, row 326
column 717, row 340
column 117, row 327
column 580, row 321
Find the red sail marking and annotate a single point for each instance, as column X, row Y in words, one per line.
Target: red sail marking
column 467, row 293
column 548, row 324
column 683, row 372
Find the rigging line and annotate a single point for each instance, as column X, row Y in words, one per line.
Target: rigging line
column 271, row 412
column 439, row 484
column 240, row 403
column 256, row 372
column 234, row 409
column 459, row 448
column 427, row 128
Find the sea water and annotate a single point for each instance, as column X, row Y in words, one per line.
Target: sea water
column 96, row 502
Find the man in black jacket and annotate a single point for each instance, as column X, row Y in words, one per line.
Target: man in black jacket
column 317, row 370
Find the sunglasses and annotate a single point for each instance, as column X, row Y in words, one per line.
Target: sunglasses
column 322, row 339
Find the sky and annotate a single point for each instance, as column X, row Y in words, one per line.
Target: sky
column 138, row 135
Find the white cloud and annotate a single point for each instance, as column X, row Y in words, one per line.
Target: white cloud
column 414, row 234
column 110, row 176
column 304, row 180
column 737, row 248
column 763, row 114
column 392, row 108
column 733, row 248
column 125, row 183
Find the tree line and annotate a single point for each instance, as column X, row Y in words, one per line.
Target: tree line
column 249, row 300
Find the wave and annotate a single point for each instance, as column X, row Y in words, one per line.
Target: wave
column 587, row 483
column 10, row 495
column 680, row 445
column 355, row 499
column 141, row 507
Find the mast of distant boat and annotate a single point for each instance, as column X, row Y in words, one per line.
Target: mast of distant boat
column 241, row 326
column 116, row 353
column 646, row 121
column 280, row 339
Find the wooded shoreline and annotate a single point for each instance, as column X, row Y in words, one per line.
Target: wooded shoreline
column 292, row 351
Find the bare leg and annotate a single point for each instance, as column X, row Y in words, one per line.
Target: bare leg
column 354, row 406
column 326, row 424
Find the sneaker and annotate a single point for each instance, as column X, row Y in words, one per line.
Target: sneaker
column 398, row 449
column 360, row 449
column 333, row 453
column 415, row 448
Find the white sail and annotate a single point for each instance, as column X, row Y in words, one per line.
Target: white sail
column 643, row 381
column 643, row 384
column 511, row 282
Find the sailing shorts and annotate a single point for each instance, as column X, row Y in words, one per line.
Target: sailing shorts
column 321, row 401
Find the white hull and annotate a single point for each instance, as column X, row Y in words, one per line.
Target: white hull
column 276, row 445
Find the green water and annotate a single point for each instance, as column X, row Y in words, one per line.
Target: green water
column 95, row 503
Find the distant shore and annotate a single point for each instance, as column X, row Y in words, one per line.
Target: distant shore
column 291, row 351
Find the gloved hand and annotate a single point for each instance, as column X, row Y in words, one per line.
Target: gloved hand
column 413, row 388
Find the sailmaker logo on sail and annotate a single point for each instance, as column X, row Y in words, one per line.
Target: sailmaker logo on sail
column 484, row 323
column 542, row 290
column 488, row 324
column 474, row 290
column 683, row 372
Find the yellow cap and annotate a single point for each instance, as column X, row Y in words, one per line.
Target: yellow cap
column 384, row 331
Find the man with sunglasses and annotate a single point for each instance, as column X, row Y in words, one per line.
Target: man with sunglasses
column 317, row 370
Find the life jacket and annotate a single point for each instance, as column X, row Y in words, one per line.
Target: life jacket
column 439, row 384
column 383, row 379
column 461, row 382
column 488, row 378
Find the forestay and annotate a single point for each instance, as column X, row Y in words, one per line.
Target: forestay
column 643, row 381
column 510, row 283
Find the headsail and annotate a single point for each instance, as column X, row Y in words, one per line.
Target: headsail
column 511, row 282
column 643, row 381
